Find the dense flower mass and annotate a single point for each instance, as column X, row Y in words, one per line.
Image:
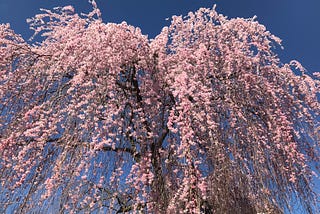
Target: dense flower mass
column 202, row 119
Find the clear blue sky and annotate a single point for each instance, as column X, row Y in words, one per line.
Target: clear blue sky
column 296, row 22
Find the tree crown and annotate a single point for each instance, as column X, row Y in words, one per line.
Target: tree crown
column 203, row 118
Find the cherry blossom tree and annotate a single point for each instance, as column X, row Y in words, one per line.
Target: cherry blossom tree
column 202, row 119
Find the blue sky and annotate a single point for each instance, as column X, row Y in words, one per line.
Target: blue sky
column 296, row 22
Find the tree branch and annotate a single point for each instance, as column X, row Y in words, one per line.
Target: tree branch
column 134, row 154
